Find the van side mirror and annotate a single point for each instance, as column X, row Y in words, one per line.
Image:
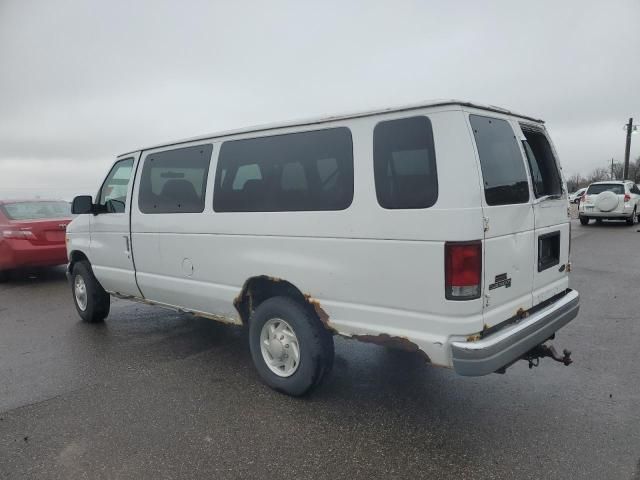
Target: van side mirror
column 82, row 204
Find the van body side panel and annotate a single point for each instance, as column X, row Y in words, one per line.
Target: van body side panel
column 374, row 271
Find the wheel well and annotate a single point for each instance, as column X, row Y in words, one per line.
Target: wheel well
column 258, row 289
column 75, row 257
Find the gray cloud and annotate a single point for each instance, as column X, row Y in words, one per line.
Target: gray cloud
column 83, row 81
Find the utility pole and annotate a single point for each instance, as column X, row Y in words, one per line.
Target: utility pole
column 627, row 149
column 612, row 177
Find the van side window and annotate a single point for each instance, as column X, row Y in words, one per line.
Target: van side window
column 113, row 194
column 301, row 171
column 542, row 163
column 503, row 170
column 404, row 163
column 174, row 181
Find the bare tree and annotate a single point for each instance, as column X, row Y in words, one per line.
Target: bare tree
column 576, row 181
column 599, row 174
column 618, row 171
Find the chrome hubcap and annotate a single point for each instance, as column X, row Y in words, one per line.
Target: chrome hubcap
column 279, row 347
column 80, row 292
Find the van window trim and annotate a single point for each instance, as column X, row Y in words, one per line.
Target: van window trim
column 145, row 154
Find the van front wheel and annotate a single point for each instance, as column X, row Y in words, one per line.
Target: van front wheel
column 90, row 299
column 290, row 347
column 584, row 220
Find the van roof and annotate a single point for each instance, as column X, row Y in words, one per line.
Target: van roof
column 343, row 116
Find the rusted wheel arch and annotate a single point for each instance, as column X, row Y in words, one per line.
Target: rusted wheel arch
column 259, row 288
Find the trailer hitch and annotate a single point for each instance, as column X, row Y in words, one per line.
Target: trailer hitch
column 534, row 355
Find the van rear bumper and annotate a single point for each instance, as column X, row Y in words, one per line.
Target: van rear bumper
column 510, row 343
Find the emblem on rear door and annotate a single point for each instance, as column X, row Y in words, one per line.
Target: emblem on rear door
column 500, row 281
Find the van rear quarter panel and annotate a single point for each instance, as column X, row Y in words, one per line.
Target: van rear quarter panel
column 374, row 271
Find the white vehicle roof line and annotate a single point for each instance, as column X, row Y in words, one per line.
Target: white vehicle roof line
column 343, row 116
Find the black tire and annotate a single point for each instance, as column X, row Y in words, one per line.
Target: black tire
column 315, row 345
column 584, row 220
column 98, row 301
column 632, row 219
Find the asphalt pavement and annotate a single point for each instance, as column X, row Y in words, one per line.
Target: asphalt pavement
column 155, row 394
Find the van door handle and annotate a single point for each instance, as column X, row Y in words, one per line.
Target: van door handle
column 127, row 247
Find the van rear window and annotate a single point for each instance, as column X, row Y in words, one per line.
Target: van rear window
column 542, row 163
column 404, row 163
column 302, row 171
column 503, row 170
column 598, row 188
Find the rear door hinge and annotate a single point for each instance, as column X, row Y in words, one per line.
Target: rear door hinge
column 485, row 223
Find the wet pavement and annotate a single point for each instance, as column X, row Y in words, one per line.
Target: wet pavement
column 156, row 394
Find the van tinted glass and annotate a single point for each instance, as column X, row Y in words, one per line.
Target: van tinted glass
column 174, row 181
column 503, row 170
column 404, row 163
column 544, row 169
column 293, row 172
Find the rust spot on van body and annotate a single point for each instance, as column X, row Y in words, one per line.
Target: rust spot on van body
column 218, row 318
column 474, row 338
column 320, row 312
column 521, row 313
column 399, row 343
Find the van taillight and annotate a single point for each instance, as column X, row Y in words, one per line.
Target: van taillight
column 627, row 197
column 462, row 270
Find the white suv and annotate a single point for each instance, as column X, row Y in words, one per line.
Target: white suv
column 610, row 200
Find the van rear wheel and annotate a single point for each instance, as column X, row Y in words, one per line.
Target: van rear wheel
column 290, row 347
column 4, row 275
column 90, row 299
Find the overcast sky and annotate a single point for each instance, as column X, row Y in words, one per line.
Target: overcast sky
column 83, row 81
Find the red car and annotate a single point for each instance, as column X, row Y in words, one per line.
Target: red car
column 32, row 234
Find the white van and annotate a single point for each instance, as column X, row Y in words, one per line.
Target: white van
column 440, row 228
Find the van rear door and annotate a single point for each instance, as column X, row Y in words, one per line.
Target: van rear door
column 551, row 214
column 508, row 219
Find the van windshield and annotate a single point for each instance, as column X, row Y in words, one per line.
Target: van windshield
column 36, row 210
column 606, row 187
